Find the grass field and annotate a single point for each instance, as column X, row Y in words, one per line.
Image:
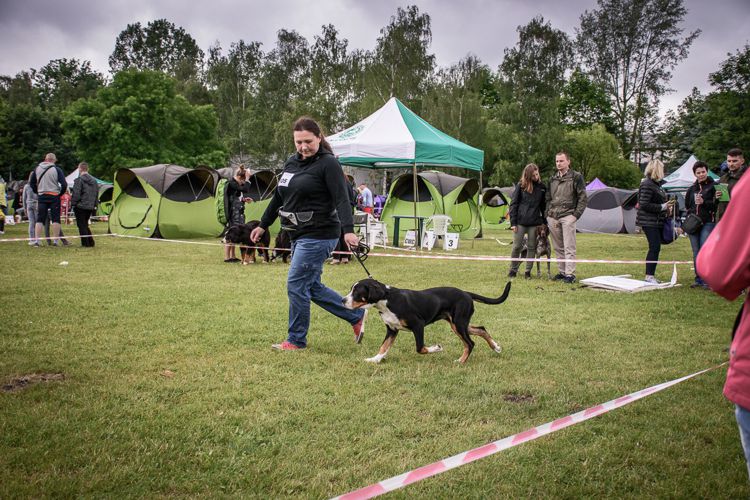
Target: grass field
column 171, row 389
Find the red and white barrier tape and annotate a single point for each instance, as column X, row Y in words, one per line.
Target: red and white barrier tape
column 52, row 238
column 443, row 256
column 411, row 255
column 466, row 457
column 509, row 259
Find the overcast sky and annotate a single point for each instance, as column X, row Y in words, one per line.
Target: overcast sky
column 33, row 32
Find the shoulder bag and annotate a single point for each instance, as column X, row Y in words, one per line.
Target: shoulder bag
column 692, row 224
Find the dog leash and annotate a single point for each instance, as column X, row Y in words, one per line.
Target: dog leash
column 360, row 252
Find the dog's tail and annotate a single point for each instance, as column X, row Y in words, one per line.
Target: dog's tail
column 487, row 300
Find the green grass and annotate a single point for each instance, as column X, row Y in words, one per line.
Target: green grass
column 239, row 420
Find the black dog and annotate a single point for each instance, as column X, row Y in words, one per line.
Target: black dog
column 541, row 248
column 413, row 310
column 240, row 235
column 282, row 246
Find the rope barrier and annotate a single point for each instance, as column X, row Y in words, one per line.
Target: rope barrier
column 410, row 255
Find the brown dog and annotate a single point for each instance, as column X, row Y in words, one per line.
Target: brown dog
column 282, row 246
column 541, row 248
column 240, row 235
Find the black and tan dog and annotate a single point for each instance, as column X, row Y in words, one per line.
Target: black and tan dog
column 541, row 248
column 282, row 246
column 413, row 310
column 240, row 235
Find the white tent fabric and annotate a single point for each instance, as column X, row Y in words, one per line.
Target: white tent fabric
column 627, row 284
column 383, row 134
column 683, row 177
column 72, row 177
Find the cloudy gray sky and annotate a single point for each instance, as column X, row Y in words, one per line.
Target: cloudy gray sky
column 33, row 32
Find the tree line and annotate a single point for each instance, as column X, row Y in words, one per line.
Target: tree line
column 595, row 94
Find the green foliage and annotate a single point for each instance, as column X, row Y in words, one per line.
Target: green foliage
column 455, row 104
column 19, row 90
column 27, row 133
column 630, row 48
column 681, row 130
column 160, row 46
column 594, row 152
column 725, row 125
column 140, row 120
column 61, row 82
column 734, row 73
column 171, row 388
column 401, row 65
column 527, row 126
column 708, row 126
column 584, row 103
column 233, row 79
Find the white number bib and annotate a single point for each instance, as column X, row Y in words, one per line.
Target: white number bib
column 285, row 178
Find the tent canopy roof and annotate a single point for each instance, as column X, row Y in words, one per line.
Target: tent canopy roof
column 683, row 177
column 595, row 184
column 394, row 136
column 161, row 177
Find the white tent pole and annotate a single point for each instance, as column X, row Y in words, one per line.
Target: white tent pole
column 416, row 200
column 480, row 189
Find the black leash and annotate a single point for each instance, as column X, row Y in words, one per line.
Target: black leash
column 360, row 252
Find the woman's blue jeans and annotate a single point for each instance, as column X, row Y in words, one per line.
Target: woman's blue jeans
column 303, row 285
column 743, row 422
column 697, row 241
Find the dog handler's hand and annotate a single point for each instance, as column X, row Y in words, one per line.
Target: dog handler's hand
column 351, row 239
column 256, row 234
column 515, row 229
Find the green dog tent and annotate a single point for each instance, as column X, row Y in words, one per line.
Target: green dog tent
column 262, row 185
column 494, row 206
column 438, row 193
column 165, row 201
column 105, row 199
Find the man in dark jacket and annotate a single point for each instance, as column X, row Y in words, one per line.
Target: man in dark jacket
column 736, row 168
column 83, row 201
column 48, row 182
column 566, row 200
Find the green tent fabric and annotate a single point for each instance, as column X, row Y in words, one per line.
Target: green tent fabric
column 135, row 205
column 187, row 208
column 262, row 184
column 394, row 136
column 438, row 193
column 105, row 199
column 166, row 201
column 494, row 206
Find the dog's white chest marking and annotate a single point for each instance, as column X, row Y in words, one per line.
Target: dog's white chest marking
column 390, row 319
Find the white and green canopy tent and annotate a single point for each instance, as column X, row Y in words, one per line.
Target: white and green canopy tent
column 682, row 178
column 395, row 137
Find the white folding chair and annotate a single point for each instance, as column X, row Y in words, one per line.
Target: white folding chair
column 376, row 232
column 439, row 225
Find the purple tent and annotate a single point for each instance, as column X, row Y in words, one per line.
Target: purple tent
column 596, row 184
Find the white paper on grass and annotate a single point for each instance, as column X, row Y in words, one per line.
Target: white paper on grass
column 627, row 284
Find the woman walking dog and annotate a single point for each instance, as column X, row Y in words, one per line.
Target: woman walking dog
column 313, row 204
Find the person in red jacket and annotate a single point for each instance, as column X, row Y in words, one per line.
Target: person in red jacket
column 724, row 264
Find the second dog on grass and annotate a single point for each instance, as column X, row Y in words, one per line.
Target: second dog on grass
column 542, row 248
column 282, row 246
column 240, row 235
column 413, row 310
